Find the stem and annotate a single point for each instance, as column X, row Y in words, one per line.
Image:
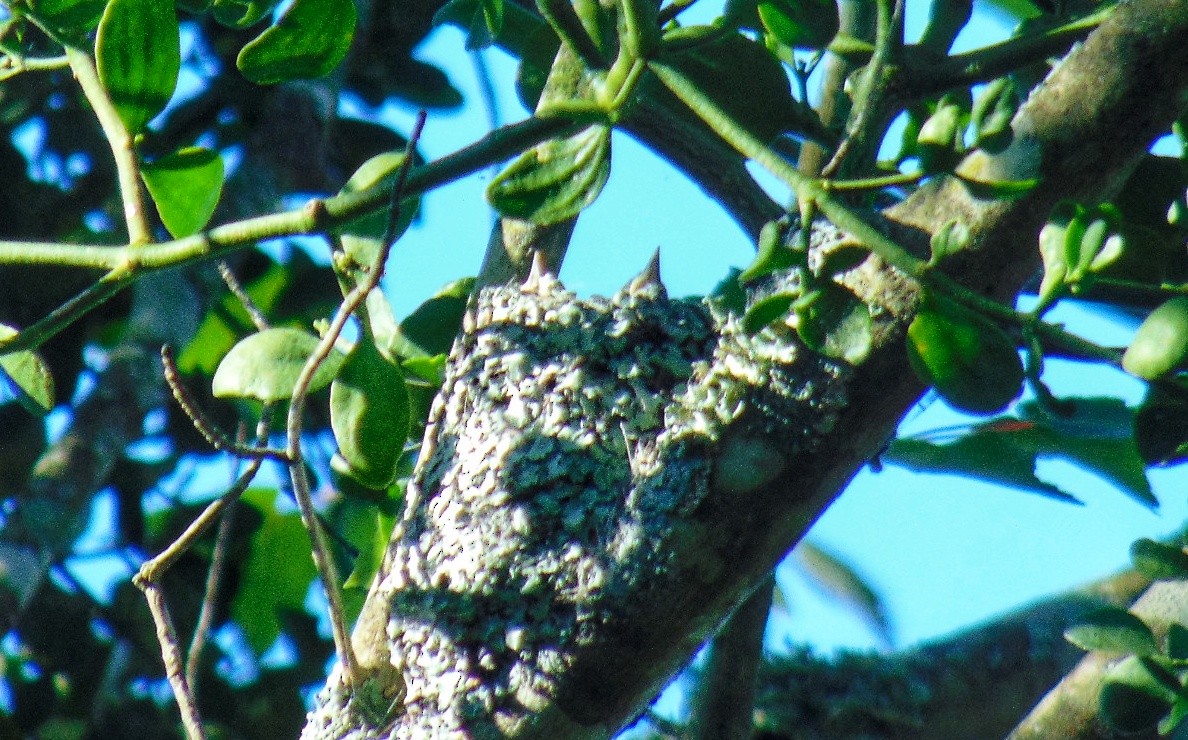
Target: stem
column 120, row 141
column 323, row 558
column 872, row 183
column 844, row 217
column 206, row 614
column 568, row 26
column 13, row 66
column 171, row 654
column 125, row 264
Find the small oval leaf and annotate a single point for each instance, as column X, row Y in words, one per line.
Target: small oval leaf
column 138, row 56
column 369, row 413
column 185, row 186
column 1160, row 345
column 767, row 311
column 970, row 361
column 555, row 180
column 1112, row 630
column 801, row 24
column 30, row 376
column 265, row 365
column 1158, row 561
column 309, row 40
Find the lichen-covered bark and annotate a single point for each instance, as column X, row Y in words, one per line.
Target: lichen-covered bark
column 605, row 480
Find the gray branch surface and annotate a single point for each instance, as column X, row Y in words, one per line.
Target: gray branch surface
column 605, row 480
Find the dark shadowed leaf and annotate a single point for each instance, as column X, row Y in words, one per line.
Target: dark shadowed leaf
column 138, row 55
column 276, row 575
column 185, row 186
column 1097, row 437
column 767, row 311
column 29, row 376
column 801, row 24
column 832, row 321
column 369, row 413
column 307, row 41
column 555, row 180
column 1112, row 630
column 431, row 328
column 1132, row 699
column 1157, row 560
column 68, row 18
column 265, row 366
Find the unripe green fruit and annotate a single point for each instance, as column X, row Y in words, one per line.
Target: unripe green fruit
column 1161, row 343
column 971, row 362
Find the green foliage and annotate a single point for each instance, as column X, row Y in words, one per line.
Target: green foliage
column 266, row 365
column 369, row 412
column 275, row 578
column 185, row 186
column 1160, row 346
column 556, row 180
column 1113, row 630
column 1159, row 561
column 970, row 361
column 138, row 55
column 30, row 376
column 308, row 40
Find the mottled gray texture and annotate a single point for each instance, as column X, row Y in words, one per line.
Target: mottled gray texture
column 571, row 440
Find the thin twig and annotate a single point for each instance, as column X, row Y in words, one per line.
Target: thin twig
column 323, row 559
column 214, row 577
column 253, row 311
column 13, row 66
column 210, row 431
column 171, row 654
column 120, row 141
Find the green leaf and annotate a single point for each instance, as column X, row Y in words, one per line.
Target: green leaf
column 952, row 237
column 767, row 311
column 800, row 24
column 1097, row 437
column 1132, row 700
column 555, row 180
column 369, row 413
column 832, row 321
column 367, row 564
column 430, row 329
column 67, row 18
column 1177, row 642
column 277, row 574
column 1112, row 630
column 185, row 186
column 362, row 238
column 138, row 55
column 308, row 40
column 30, row 376
column 1160, row 346
column 773, row 255
column 1159, row 561
column 743, row 79
column 265, row 366
column 242, row 13
column 1161, row 426
column 970, row 361
column 998, row 189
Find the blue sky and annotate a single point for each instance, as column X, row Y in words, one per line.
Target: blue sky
column 945, row 552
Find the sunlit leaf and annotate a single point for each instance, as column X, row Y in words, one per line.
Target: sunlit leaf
column 949, row 239
column 307, row 41
column 1160, row 346
column 138, row 55
column 832, row 321
column 266, row 365
column 1113, row 630
column 773, row 254
column 29, row 376
column 185, row 186
column 970, row 361
column 276, row 575
column 555, row 180
column 67, row 18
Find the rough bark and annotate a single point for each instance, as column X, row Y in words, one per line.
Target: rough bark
column 604, row 481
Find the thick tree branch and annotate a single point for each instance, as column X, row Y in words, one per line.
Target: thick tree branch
column 604, row 481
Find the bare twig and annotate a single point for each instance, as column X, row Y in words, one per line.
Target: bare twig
column 214, row 578
column 171, row 654
column 237, row 289
column 327, row 570
column 216, row 437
